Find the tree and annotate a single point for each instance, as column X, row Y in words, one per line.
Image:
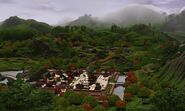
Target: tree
column 90, row 100
column 41, row 28
column 121, row 104
column 19, row 96
column 7, row 49
column 137, row 105
column 60, row 103
column 170, row 99
column 144, row 92
column 74, row 108
column 133, row 89
column 56, row 31
column 127, row 96
column 2, row 87
column 87, row 107
column 40, row 100
column 74, row 98
column 112, row 109
column 67, row 94
column 17, row 33
column 105, row 104
column 99, row 108
column 112, row 100
column 130, row 76
column 37, row 72
column 127, row 84
column 103, row 98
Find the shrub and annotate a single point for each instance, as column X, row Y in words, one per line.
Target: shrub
column 103, row 98
column 87, row 107
column 127, row 96
column 90, row 100
column 112, row 100
column 73, row 108
column 170, row 99
column 105, row 104
column 130, row 76
column 127, row 84
column 133, row 89
column 137, row 105
column 144, row 92
column 99, row 108
column 60, row 103
column 2, row 87
column 74, row 98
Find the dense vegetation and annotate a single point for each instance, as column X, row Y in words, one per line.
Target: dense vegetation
column 19, row 96
column 118, row 47
column 139, row 49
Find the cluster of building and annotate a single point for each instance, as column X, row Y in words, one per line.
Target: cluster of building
column 76, row 80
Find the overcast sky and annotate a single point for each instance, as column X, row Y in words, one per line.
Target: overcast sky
column 55, row 11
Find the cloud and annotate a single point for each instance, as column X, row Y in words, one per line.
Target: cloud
column 53, row 11
column 6, row 1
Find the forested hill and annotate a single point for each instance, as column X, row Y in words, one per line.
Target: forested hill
column 116, row 46
column 20, row 29
column 175, row 22
column 138, row 50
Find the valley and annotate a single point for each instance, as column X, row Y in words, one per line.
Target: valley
column 78, row 67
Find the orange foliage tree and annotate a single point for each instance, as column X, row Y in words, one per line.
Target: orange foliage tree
column 73, row 66
column 105, row 104
column 127, row 96
column 103, row 98
column 46, row 66
column 87, row 107
column 130, row 76
column 121, row 104
column 127, row 84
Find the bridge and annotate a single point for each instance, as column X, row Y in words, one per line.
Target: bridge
column 117, row 84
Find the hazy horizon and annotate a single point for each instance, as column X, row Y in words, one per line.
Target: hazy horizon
column 60, row 11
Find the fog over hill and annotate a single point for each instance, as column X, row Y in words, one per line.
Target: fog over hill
column 175, row 22
column 135, row 14
column 130, row 15
column 86, row 20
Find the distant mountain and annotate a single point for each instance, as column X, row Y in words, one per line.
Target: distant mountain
column 86, row 20
column 12, row 21
column 175, row 22
column 135, row 14
column 15, row 21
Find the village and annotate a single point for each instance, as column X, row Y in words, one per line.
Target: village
column 94, row 83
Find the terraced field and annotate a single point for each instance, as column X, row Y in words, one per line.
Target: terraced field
column 174, row 71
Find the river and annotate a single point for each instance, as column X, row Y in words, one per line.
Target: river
column 11, row 73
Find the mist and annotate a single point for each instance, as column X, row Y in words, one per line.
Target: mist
column 135, row 14
column 129, row 15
